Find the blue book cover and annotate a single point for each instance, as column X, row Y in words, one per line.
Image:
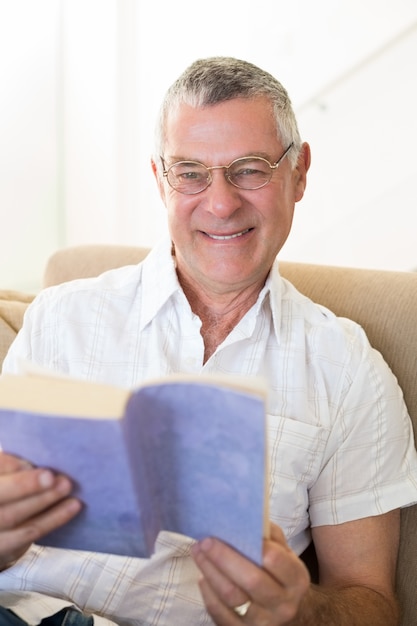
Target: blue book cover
column 183, row 455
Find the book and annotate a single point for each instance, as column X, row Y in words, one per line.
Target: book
column 182, row 454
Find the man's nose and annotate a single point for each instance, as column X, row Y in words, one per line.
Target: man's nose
column 223, row 198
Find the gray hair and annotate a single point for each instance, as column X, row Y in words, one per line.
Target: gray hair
column 217, row 79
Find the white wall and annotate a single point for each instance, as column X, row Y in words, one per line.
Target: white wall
column 81, row 81
column 360, row 208
column 29, row 164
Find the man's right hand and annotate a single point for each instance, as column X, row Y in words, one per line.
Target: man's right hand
column 33, row 502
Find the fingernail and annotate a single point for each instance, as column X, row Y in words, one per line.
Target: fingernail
column 206, row 544
column 46, row 479
column 64, row 485
column 73, row 506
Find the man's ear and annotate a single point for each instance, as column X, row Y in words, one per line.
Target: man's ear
column 300, row 171
column 159, row 180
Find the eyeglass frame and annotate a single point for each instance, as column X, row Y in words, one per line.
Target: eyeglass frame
column 273, row 166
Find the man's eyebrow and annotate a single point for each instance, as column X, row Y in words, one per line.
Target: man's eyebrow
column 256, row 153
column 175, row 159
column 187, row 159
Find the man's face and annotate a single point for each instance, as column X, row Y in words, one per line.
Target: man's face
column 227, row 238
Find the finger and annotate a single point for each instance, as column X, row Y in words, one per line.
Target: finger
column 283, row 564
column 221, row 613
column 10, row 464
column 40, row 525
column 50, row 489
column 26, row 482
column 13, row 543
column 219, row 563
column 224, row 587
column 225, row 614
column 277, row 534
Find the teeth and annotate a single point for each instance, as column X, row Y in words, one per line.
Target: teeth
column 229, row 236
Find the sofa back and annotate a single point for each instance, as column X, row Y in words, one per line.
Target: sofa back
column 383, row 302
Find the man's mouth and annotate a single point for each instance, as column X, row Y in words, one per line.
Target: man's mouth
column 226, row 237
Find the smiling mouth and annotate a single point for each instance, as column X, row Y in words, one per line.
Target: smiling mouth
column 226, row 237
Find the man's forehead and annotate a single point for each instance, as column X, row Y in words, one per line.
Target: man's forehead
column 240, row 121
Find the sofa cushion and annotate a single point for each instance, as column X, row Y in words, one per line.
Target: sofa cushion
column 13, row 305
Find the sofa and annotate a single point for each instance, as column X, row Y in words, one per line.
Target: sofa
column 383, row 302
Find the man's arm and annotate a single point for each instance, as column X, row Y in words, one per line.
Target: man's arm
column 357, row 563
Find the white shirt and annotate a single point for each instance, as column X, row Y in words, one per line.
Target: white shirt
column 340, row 439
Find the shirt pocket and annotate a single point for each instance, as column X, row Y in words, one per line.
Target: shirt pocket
column 295, row 454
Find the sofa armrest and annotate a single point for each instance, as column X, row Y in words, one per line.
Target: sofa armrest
column 13, row 305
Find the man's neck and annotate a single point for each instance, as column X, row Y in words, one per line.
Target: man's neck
column 219, row 312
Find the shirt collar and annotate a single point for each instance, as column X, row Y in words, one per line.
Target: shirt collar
column 159, row 280
column 271, row 296
column 160, row 283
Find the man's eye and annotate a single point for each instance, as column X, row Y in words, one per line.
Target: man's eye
column 247, row 172
column 190, row 175
column 189, row 172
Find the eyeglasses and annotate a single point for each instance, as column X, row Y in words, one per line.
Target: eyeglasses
column 191, row 177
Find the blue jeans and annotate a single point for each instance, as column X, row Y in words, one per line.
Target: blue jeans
column 65, row 617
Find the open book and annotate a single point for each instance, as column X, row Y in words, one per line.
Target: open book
column 182, row 454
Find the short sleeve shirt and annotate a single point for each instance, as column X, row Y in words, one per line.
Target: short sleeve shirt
column 340, row 441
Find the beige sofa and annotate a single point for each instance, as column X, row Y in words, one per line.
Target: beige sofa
column 384, row 303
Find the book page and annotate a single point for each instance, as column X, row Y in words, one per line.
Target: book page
column 56, row 395
column 201, row 462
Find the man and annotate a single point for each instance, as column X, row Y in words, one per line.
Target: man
column 230, row 167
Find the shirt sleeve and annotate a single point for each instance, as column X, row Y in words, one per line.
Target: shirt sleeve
column 370, row 462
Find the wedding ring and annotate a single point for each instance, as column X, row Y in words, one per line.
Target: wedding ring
column 242, row 609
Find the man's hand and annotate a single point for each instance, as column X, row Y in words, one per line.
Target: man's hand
column 33, row 502
column 276, row 590
column 357, row 562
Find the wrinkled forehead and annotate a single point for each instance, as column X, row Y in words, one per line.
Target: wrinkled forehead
column 238, row 121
